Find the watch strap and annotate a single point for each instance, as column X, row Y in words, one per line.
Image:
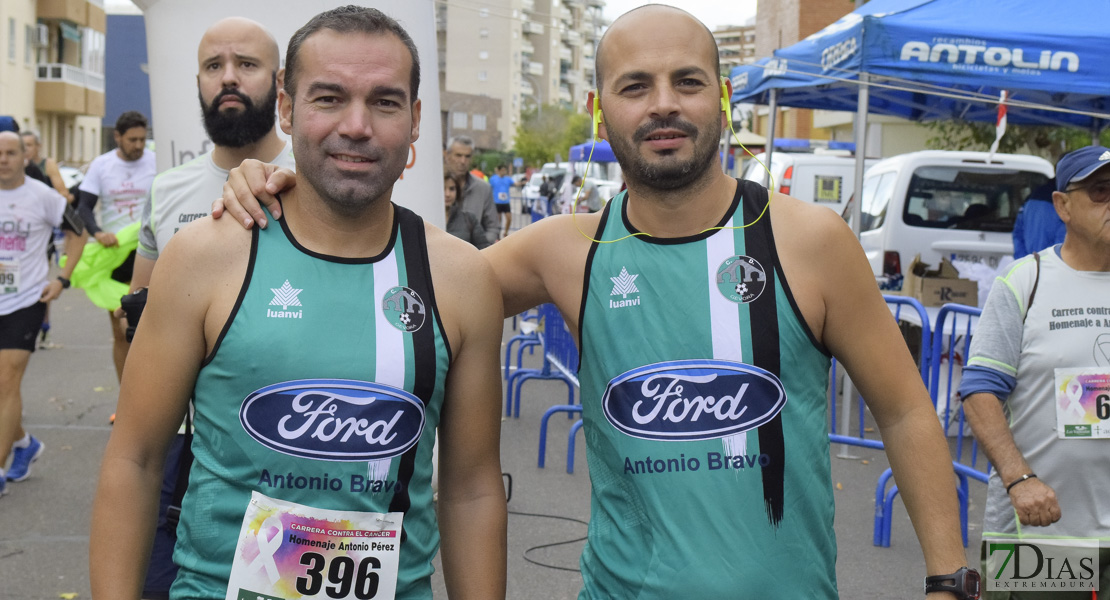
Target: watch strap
column 964, row 583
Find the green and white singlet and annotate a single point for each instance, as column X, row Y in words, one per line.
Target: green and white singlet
column 704, row 396
column 325, row 389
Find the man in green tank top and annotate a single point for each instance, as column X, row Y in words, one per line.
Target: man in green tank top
column 694, row 482
column 313, row 465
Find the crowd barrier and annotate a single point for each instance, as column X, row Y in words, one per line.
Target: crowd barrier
column 949, row 342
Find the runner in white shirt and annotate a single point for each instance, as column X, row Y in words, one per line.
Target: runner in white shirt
column 29, row 212
column 117, row 185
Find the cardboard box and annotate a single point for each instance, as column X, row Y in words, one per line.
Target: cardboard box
column 938, row 287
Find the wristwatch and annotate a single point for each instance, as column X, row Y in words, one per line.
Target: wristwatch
column 963, row 583
column 65, row 282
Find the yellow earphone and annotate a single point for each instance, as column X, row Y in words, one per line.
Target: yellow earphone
column 597, row 114
column 726, row 107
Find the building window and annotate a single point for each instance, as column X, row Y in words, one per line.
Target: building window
column 29, row 32
column 483, row 55
column 483, row 32
column 483, row 75
column 458, row 120
column 480, row 122
column 11, row 39
column 483, row 12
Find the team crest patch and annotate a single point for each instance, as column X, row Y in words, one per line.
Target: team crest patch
column 741, row 279
column 404, row 309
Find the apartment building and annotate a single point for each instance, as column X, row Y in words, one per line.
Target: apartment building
column 52, row 72
column 735, row 45
column 517, row 54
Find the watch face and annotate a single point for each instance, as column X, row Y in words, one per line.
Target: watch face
column 971, row 583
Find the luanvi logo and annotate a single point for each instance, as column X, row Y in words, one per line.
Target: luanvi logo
column 285, row 296
column 623, row 286
column 1042, row 565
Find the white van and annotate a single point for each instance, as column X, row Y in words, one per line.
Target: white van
column 825, row 179
column 943, row 204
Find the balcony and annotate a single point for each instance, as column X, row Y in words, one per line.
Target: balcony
column 535, row 68
column 74, row 11
column 533, row 28
column 70, row 74
column 62, row 88
column 587, row 63
column 528, row 5
column 565, row 54
column 572, row 38
column 526, row 47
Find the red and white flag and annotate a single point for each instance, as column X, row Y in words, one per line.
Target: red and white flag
column 1000, row 125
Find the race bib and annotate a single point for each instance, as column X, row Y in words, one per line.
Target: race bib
column 1083, row 403
column 9, row 276
column 288, row 551
column 502, row 197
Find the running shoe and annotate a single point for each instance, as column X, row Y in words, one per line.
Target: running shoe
column 3, row 485
column 22, row 459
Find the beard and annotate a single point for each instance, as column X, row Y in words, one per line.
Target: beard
column 667, row 172
column 238, row 128
column 347, row 194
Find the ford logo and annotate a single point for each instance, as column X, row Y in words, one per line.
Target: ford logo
column 333, row 419
column 692, row 400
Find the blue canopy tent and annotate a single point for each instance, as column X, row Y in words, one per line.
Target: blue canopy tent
column 602, row 152
column 930, row 60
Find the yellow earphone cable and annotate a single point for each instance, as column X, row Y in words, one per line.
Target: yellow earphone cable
column 589, row 161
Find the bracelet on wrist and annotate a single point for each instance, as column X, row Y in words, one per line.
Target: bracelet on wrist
column 1019, row 480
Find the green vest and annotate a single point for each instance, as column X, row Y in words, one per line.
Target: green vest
column 315, row 345
column 704, row 396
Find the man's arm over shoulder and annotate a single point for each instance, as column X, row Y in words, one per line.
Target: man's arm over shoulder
column 472, row 509
column 836, row 291
column 192, row 289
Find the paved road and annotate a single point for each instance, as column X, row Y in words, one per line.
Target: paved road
column 70, row 390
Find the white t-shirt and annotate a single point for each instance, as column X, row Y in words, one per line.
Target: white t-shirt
column 28, row 216
column 121, row 186
column 184, row 194
column 1066, row 326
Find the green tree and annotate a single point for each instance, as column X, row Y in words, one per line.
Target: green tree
column 1047, row 142
column 549, row 130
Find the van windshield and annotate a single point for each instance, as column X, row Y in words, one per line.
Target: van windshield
column 968, row 197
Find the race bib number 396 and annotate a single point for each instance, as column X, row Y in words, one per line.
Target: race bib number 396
column 287, row 551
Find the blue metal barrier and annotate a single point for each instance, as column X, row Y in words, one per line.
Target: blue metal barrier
column 957, row 332
column 561, row 355
column 559, row 363
column 527, row 340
